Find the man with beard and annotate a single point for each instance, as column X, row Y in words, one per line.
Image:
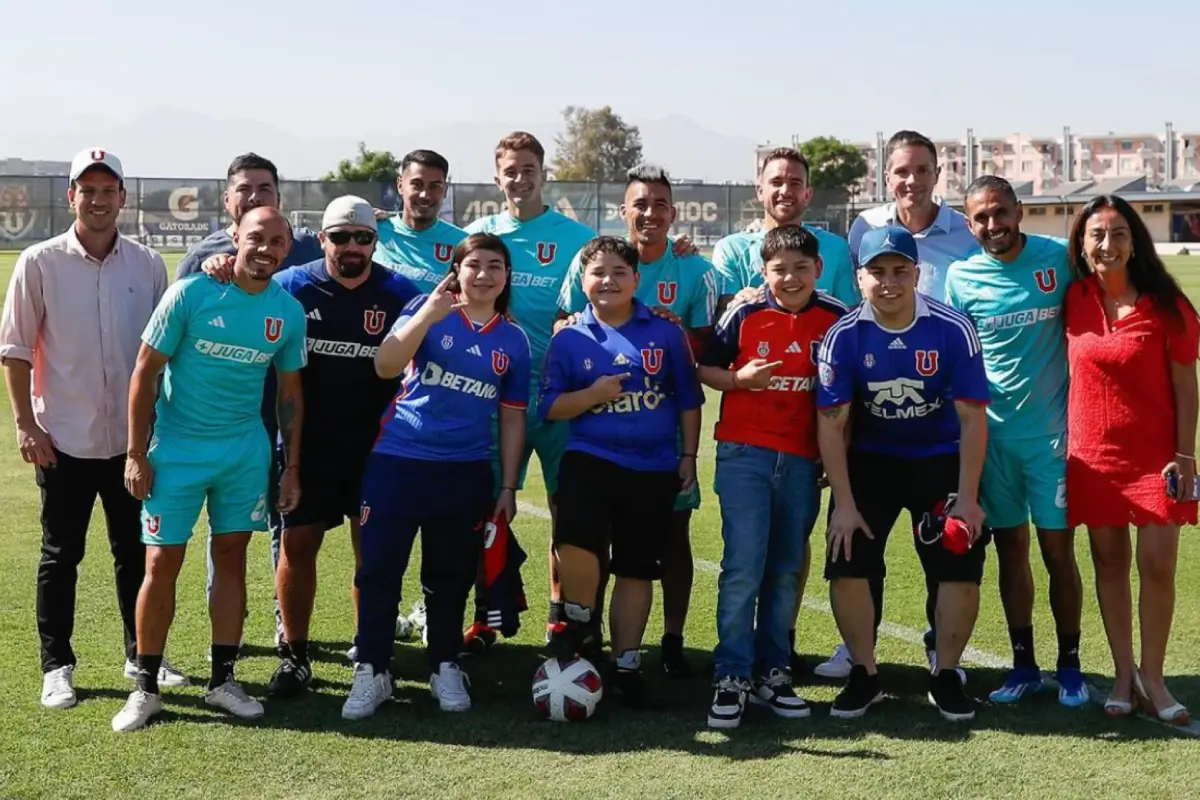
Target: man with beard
column 214, row 344
column 418, row 243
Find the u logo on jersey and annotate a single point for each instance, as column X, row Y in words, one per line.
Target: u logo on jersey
column 1047, row 281
column 546, row 252
column 373, row 321
column 153, row 523
column 443, row 252
column 363, row 514
column 499, row 362
column 652, row 359
column 273, row 328
column 927, row 362
column 667, row 291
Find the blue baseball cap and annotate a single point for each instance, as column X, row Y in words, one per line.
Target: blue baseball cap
column 888, row 239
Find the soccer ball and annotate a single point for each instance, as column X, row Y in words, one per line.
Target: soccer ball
column 567, row 691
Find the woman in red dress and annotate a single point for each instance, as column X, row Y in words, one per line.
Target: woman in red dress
column 1132, row 340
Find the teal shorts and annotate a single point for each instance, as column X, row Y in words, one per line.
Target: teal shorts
column 548, row 440
column 1024, row 478
column 232, row 475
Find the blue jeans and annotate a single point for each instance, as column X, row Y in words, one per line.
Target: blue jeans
column 769, row 505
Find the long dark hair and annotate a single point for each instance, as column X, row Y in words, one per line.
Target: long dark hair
column 486, row 241
column 1147, row 272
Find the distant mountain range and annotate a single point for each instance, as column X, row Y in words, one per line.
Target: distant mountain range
column 168, row 142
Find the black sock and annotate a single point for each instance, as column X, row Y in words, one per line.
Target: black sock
column 1022, row 646
column 224, row 656
column 1068, row 651
column 792, row 639
column 555, row 615
column 670, row 640
column 147, row 672
column 299, row 650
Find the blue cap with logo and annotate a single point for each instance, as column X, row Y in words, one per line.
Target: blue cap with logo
column 888, row 239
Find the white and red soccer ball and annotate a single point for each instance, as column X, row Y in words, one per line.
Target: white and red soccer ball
column 567, row 691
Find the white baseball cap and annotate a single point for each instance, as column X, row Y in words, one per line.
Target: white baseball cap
column 349, row 210
column 96, row 157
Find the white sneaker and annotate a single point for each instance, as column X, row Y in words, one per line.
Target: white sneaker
column 838, row 665
column 233, row 698
column 931, row 655
column 138, row 710
column 449, row 685
column 58, row 688
column 367, row 693
column 352, row 654
column 167, row 675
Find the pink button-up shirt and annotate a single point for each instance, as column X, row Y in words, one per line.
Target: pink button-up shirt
column 79, row 322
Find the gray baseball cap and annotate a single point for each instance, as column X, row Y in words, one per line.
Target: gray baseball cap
column 349, row 211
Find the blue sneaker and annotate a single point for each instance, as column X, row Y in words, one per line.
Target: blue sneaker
column 1072, row 689
column 1017, row 684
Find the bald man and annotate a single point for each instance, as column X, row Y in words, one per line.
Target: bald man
column 213, row 343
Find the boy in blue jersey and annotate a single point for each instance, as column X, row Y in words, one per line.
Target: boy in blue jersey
column 214, row 343
column 685, row 286
column 626, row 381
column 911, row 370
column 430, row 469
column 1014, row 290
column 418, row 243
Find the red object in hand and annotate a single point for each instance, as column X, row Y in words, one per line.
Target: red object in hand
column 956, row 536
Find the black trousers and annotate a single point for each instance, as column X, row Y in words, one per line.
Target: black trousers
column 69, row 491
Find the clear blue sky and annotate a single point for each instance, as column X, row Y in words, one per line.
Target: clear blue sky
column 736, row 66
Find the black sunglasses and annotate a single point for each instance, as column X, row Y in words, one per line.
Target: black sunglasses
column 340, row 238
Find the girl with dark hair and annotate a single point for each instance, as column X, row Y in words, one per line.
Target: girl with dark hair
column 1132, row 340
column 430, row 469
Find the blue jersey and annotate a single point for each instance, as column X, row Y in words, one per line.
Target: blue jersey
column 424, row 257
column 1017, row 310
column 306, row 247
column 902, row 385
column 738, row 261
column 460, row 376
column 219, row 342
column 343, row 397
column 541, row 249
column 638, row 429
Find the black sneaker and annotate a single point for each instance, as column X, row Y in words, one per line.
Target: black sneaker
column 292, row 676
column 729, row 702
column 578, row 640
column 630, row 686
column 775, row 692
column 859, row 694
column 673, row 662
column 947, row 693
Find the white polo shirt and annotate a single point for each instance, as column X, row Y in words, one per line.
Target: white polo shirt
column 947, row 240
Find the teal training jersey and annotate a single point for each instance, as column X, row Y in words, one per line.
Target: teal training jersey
column 219, row 342
column 738, row 261
column 541, row 250
column 1017, row 309
column 423, row 257
column 687, row 286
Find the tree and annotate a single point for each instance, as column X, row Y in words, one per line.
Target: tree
column 369, row 166
column 833, row 164
column 597, row 146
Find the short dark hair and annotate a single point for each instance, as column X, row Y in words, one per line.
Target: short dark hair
column 796, row 238
column 520, row 140
column 787, row 154
column 247, row 161
column 613, row 245
column 426, row 158
column 992, row 183
column 648, row 173
column 911, row 139
column 486, row 241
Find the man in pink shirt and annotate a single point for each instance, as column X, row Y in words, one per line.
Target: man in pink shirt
column 69, row 337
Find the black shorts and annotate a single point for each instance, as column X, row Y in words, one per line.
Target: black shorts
column 602, row 505
column 330, row 488
column 884, row 486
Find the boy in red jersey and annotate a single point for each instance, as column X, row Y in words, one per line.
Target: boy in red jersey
column 763, row 357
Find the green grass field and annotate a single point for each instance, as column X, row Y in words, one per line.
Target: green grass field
column 303, row 749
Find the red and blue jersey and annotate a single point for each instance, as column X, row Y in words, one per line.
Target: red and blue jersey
column 902, row 385
column 343, row 397
column 460, row 376
column 638, row 430
column 782, row 417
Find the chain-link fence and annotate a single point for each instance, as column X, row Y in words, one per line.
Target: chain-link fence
column 175, row 213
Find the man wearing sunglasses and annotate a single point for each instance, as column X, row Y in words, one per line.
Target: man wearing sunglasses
column 350, row 306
